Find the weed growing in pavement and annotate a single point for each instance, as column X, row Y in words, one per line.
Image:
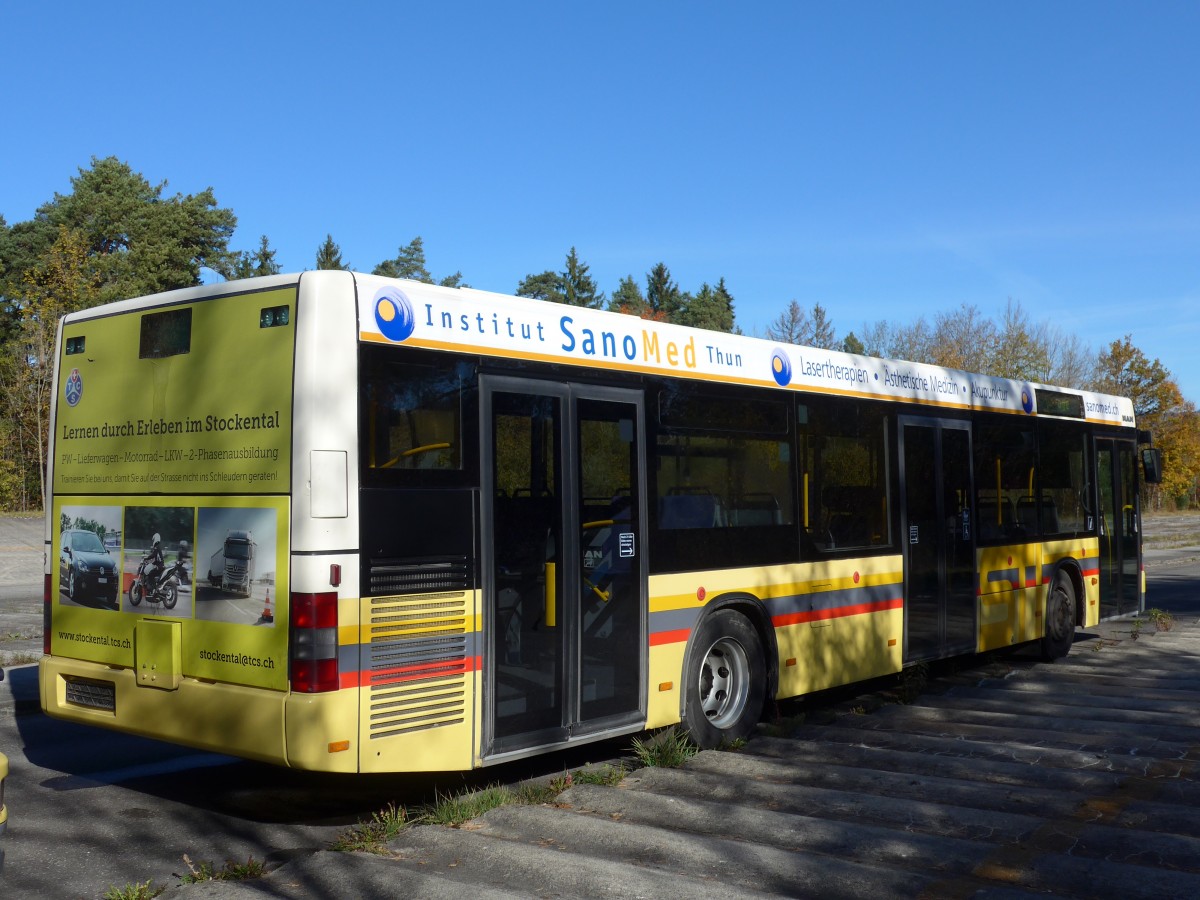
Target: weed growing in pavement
column 370, row 837
column 668, row 749
column 607, row 774
column 1163, row 620
column 455, row 809
column 232, row 871
column 1135, row 629
column 145, row 891
column 19, row 658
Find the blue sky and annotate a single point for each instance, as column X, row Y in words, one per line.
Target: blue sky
column 886, row 160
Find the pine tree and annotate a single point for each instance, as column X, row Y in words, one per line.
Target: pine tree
column 662, row 294
column 409, row 263
column 627, row 298
column 329, row 255
column 577, row 286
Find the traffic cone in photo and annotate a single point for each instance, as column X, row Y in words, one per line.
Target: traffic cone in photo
column 267, row 615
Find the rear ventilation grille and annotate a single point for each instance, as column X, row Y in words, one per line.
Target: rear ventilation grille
column 431, row 573
column 421, row 647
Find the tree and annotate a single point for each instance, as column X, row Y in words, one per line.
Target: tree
column 662, row 294
column 823, row 335
column 851, row 344
column 543, row 286
column 1124, row 369
column 1159, row 406
column 62, row 280
column 409, row 263
column 963, row 339
column 329, row 255
column 251, row 265
column 796, row 325
column 710, row 308
column 578, row 287
column 1022, row 349
column 138, row 241
column 628, row 298
column 573, row 285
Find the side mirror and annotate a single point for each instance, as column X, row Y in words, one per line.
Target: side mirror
column 1152, row 465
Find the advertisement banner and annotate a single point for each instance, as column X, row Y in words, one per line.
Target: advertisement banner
column 192, row 398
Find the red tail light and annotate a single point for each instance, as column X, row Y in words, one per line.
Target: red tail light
column 314, row 664
column 47, row 605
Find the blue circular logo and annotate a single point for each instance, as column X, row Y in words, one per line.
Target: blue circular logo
column 394, row 314
column 73, row 388
column 781, row 368
column 1027, row 398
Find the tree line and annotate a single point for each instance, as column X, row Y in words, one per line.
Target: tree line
column 116, row 235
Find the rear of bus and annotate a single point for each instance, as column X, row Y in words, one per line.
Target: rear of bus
column 184, row 418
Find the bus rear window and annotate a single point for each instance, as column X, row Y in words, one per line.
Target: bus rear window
column 166, row 333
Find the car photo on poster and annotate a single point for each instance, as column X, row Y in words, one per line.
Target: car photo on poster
column 88, row 572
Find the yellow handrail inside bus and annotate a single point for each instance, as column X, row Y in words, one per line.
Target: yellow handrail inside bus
column 999, row 518
column 424, row 448
column 806, row 500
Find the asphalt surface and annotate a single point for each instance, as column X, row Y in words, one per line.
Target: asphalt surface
column 1000, row 777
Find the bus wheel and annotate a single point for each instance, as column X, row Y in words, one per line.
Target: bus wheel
column 1060, row 618
column 725, row 681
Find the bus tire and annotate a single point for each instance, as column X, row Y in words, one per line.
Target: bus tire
column 1060, row 618
column 725, row 681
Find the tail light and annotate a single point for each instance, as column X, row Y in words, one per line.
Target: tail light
column 314, row 642
column 47, row 599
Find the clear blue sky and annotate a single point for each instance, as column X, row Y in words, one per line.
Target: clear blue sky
column 883, row 159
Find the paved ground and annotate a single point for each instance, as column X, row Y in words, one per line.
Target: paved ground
column 1005, row 778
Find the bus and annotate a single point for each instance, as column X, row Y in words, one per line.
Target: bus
column 499, row 526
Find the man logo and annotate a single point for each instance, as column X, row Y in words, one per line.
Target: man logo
column 394, row 314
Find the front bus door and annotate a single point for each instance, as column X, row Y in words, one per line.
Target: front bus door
column 563, row 551
column 939, row 567
column 1120, row 518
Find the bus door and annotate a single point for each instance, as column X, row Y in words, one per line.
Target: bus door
column 563, row 559
column 1120, row 527
column 940, row 605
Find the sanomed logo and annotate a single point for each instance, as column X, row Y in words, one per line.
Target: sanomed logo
column 394, row 314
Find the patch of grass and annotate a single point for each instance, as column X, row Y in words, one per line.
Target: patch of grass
column 145, row 891
column 231, row 871
column 453, row 810
column 607, row 774
column 668, row 749
column 1163, row 620
column 371, row 836
column 19, row 658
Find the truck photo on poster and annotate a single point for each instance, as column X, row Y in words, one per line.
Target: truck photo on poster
column 235, row 565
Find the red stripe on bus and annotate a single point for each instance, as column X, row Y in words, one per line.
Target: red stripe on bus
column 410, row 673
column 669, row 637
column 818, row 615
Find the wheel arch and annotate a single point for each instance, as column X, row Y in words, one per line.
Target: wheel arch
column 1074, row 571
column 756, row 614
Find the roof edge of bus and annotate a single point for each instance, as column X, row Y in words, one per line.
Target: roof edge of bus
column 187, row 295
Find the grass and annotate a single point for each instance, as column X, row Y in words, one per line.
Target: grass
column 373, row 835
column 455, row 810
column 145, row 891
column 667, row 749
column 231, row 871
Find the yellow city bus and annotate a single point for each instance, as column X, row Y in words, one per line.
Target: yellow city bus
column 346, row 523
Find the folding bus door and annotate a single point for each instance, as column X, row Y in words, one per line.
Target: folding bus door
column 562, row 549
